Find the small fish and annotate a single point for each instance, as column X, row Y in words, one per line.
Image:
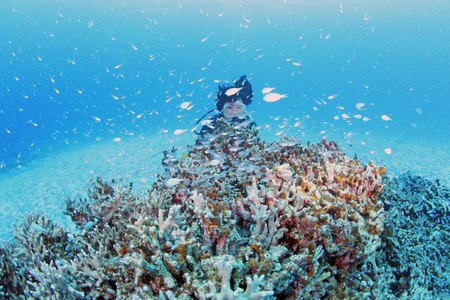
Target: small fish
column 207, row 123
column 185, row 105
column 117, row 139
column 274, row 97
column 267, row 90
column 38, row 228
column 388, row 151
column 173, row 181
column 214, row 162
column 386, row 118
column 179, row 131
column 205, row 39
column 96, row 118
column 366, row 18
column 232, row 91
column 235, row 149
column 360, row 105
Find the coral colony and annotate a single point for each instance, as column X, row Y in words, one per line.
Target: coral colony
column 234, row 218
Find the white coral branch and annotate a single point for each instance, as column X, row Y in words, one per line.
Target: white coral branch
column 169, row 222
column 227, row 293
column 252, row 287
column 265, row 231
column 197, row 199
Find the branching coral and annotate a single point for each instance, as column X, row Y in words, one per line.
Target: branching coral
column 417, row 237
column 244, row 220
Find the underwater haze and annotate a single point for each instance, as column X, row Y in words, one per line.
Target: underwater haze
column 101, row 88
column 75, row 72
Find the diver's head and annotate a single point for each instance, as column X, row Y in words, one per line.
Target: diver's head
column 234, row 109
column 240, row 94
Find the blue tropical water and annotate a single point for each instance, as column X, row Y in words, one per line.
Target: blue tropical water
column 91, row 77
column 131, row 64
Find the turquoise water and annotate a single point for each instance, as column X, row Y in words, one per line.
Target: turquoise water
column 76, row 72
column 99, row 88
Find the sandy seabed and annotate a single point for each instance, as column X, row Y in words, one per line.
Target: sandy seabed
column 44, row 184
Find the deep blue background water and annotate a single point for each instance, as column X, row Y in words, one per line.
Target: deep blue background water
column 132, row 63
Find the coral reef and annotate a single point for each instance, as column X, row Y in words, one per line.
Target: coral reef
column 416, row 238
column 234, row 218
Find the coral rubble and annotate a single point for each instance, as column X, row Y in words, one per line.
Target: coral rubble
column 234, row 218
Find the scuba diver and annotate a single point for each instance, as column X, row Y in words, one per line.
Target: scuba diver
column 231, row 102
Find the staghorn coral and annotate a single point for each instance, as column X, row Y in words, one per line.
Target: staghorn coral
column 235, row 219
